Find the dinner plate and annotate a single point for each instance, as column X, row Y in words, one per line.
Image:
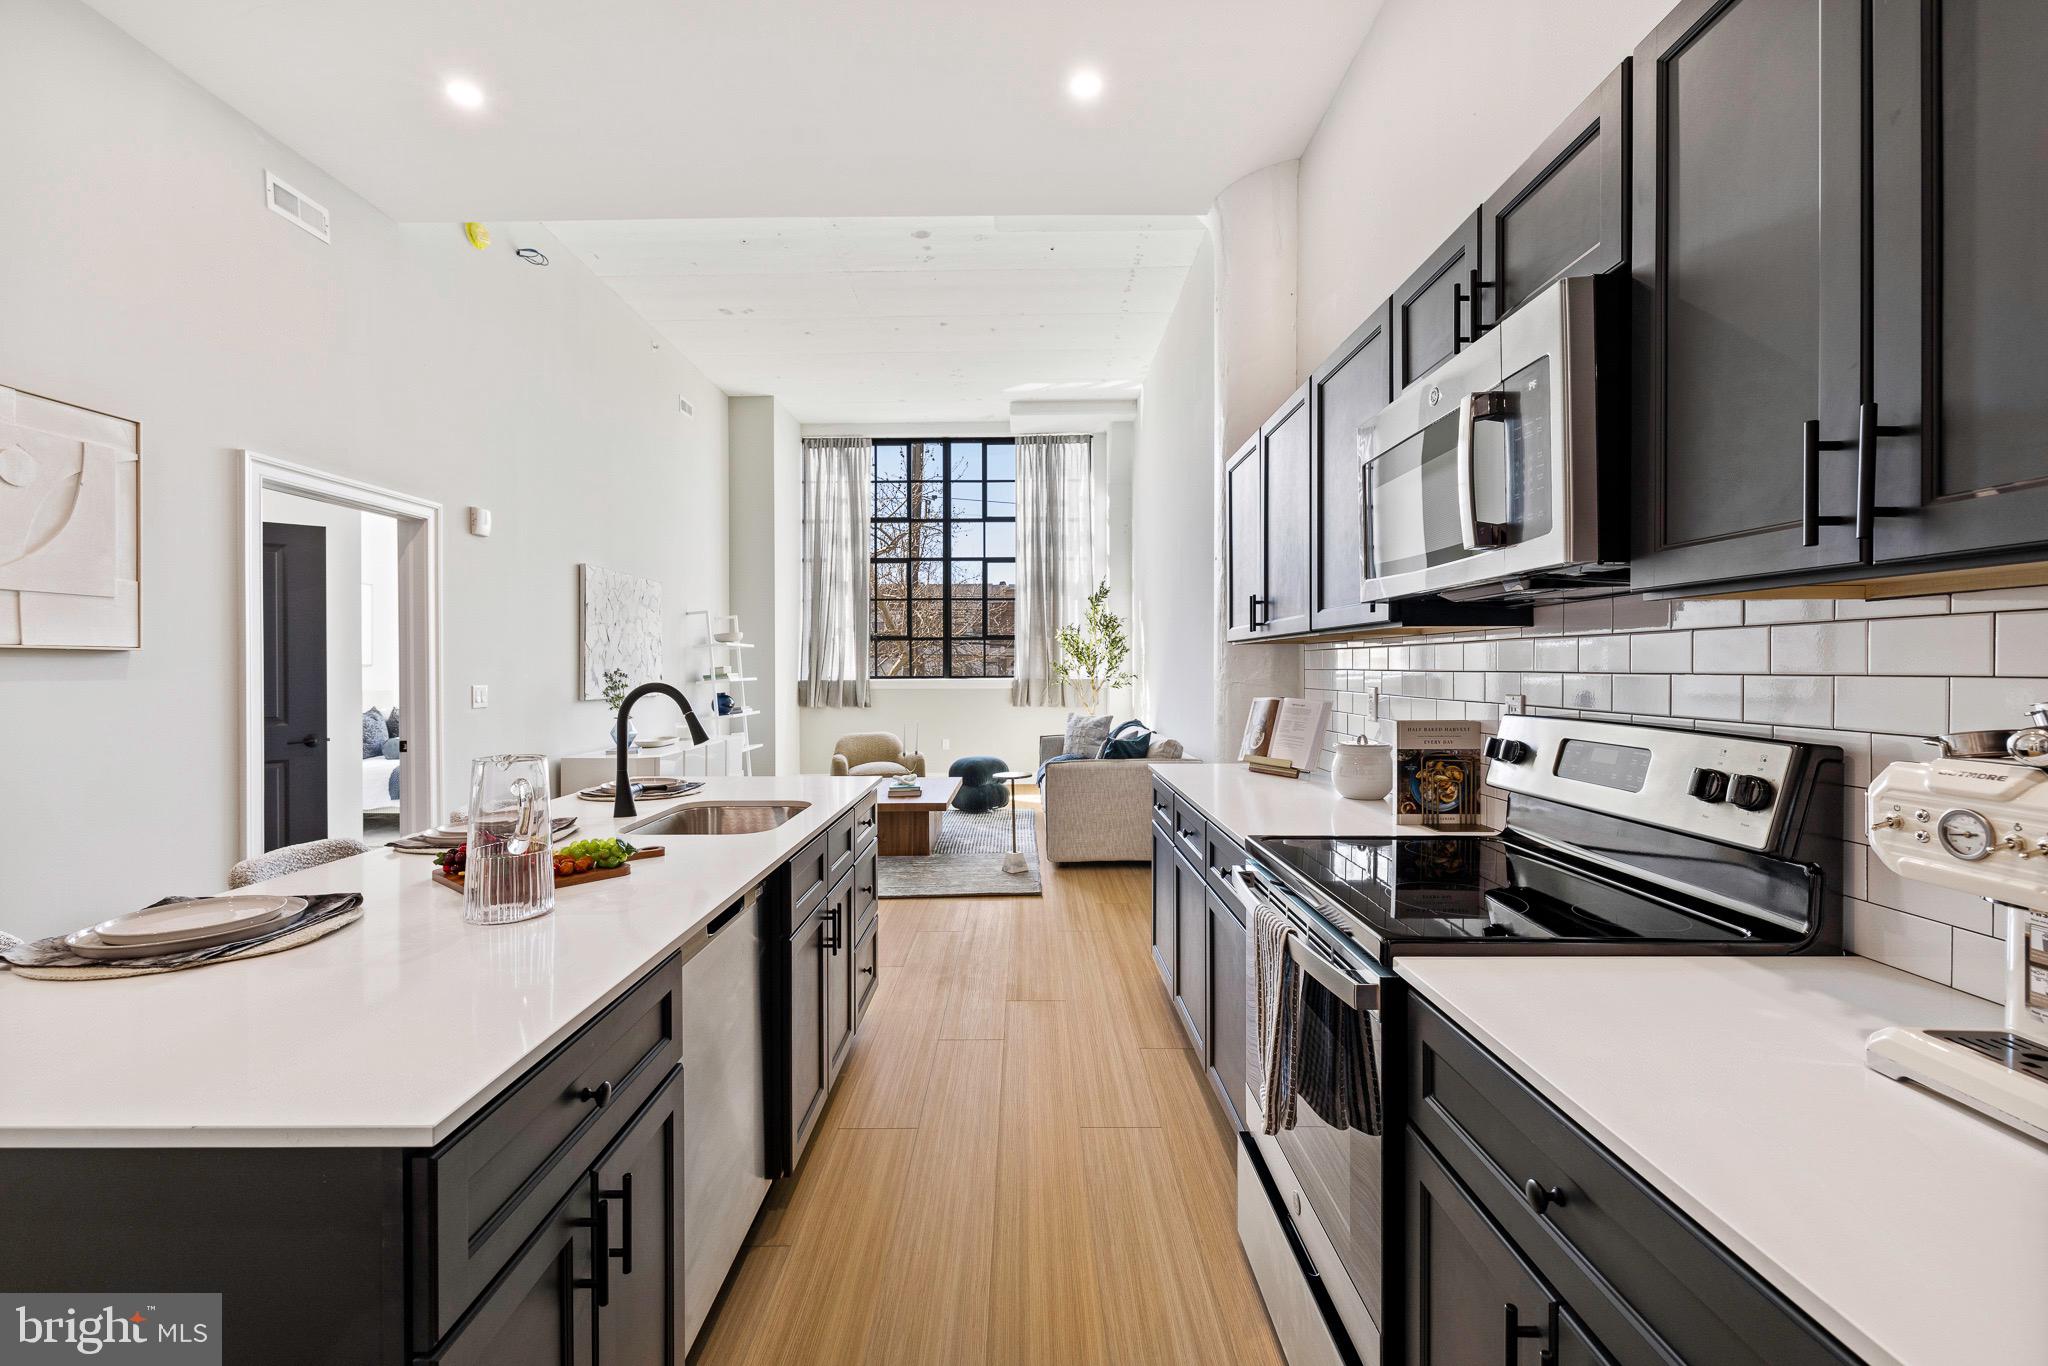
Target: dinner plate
column 181, row 920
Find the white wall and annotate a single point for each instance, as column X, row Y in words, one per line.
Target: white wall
column 344, row 545
column 1416, row 136
column 140, row 274
column 1173, row 496
column 767, row 567
column 380, row 577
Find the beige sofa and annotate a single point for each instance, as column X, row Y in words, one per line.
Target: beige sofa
column 873, row 753
column 1096, row 810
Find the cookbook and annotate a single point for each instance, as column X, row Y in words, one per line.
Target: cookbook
column 1284, row 735
column 1438, row 769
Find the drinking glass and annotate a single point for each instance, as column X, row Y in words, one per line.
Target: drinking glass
column 509, row 874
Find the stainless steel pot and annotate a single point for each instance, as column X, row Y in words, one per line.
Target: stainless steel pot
column 1972, row 744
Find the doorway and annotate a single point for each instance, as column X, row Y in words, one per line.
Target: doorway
column 341, row 653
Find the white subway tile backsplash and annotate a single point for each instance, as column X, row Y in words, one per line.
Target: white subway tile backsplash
column 1788, row 699
column 1993, row 703
column 1978, row 965
column 1640, row 614
column 1743, row 650
column 2000, row 600
column 1769, row 611
column 1711, row 696
column 1931, row 606
column 1904, row 941
column 1855, row 747
column 1821, row 647
column 1664, row 653
column 1589, row 692
column 1544, row 690
column 2022, row 642
column 1643, row 693
column 1557, row 656
column 1604, row 654
column 1707, row 612
column 1589, row 614
column 1913, row 705
column 1922, row 645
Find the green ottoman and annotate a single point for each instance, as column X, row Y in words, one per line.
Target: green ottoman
column 979, row 790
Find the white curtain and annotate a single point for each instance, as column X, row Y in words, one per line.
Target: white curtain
column 832, row 666
column 1055, row 557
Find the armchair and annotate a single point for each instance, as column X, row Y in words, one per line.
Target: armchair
column 873, row 753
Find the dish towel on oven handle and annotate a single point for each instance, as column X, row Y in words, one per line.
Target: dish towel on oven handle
column 1310, row 1043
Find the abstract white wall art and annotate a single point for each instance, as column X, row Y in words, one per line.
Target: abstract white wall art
column 621, row 627
column 70, row 526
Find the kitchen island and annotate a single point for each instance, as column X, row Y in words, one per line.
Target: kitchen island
column 406, row 1139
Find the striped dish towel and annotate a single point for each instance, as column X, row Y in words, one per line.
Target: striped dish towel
column 1278, row 983
column 1310, row 1043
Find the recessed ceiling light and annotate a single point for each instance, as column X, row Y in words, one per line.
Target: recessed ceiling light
column 1085, row 85
column 463, row 93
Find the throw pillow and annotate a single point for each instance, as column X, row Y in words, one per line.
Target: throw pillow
column 1165, row 749
column 374, row 734
column 1131, row 740
column 390, row 750
column 391, row 722
column 1086, row 734
column 878, row 768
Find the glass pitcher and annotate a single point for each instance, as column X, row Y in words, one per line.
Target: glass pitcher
column 509, row 874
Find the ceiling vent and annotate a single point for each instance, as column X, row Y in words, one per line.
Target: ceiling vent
column 288, row 203
column 688, row 408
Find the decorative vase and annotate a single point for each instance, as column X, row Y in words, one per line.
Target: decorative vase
column 1363, row 772
column 632, row 737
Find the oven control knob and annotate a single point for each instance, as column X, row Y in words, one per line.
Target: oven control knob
column 1752, row 793
column 1508, row 751
column 1709, row 785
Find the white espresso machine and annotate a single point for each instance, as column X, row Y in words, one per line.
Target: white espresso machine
column 1976, row 820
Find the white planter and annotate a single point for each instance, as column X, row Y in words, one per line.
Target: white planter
column 1363, row 773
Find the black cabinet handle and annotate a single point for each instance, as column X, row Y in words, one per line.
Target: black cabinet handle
column 724, row 918
column 599, row 1281
column 601, row 1093
column 1517, row 1331
column 1810, row 520
column 1251, row 611
column 624, row 1195
column 1479, row 287
column 1542, row 1197
column 829, row 942
column 869, row 969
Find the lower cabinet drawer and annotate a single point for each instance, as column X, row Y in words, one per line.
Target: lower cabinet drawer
column 479, row 1195
column 866, row 969
column 865, row 901
column 809, row 875
column 864, row 824
column 1651, row 1284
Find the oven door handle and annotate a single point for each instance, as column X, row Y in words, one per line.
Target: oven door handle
column 1310, row 956
column 1489, row 406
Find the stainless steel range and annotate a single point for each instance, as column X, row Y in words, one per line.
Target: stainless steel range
column 1619, row 839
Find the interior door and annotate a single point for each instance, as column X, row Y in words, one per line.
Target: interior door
column 1958, row 408
column 1285, row 450
column 1471, row 1298
column 1745, row 249
column 1565, row 212
column 294, row 684
column 637, row 1196
column 1344, row 394
column 1244, row 537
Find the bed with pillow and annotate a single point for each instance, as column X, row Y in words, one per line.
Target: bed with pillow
column 381, row 760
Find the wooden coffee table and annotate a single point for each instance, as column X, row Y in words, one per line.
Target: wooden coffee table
column 910, row 825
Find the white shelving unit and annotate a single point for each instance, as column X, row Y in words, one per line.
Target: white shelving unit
column 730, row 655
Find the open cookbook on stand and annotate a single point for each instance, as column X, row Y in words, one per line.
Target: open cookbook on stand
column 1284, row 735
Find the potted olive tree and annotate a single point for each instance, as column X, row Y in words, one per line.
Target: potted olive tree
column 1094, row 653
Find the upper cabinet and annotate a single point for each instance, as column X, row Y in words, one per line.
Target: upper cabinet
column 1266, row 518
column 1959, row 199
column 1838, row 345
column 1565, row 212
column 1244, row 542
column 1431, row 312
column 1745, row 225
column 1346, row 391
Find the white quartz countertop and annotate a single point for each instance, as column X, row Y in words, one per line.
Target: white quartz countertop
column 1913, row 1229
column 1250, row 805
column 389, row 1032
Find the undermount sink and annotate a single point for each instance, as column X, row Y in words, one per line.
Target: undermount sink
column 717, row 818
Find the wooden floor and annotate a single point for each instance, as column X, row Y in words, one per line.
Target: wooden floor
column 1021, row 1163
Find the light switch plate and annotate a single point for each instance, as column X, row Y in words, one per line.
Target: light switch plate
column 1515, row 704
column 479, row 695
column 479, row 521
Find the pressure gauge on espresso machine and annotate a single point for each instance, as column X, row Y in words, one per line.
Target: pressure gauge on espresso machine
column 1965, row 834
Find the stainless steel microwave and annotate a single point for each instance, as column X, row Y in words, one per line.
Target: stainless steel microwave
column 1502, row 473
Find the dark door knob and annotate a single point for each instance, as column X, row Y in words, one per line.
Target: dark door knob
column 1542, row 1197
column 309, row 741
column 1752, row 793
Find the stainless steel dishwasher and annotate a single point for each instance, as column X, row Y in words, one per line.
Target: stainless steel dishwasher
column 725, row 1147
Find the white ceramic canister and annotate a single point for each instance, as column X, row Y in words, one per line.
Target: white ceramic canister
column 1364, row 772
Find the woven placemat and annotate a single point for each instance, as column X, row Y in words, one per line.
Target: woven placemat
column 48, row 960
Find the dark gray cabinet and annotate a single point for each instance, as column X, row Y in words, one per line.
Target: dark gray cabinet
column 1165, row 886
column 838, row 969
column 1346, row 391
column 637, row 1247
column 1244, row 543
column 1432, row 312
column 1471, row 1298
column 1957, row 403
column 1227, row 1006
column 1191, row 952
column 808, row 1069
column 1284, row 452
column 539, row 1312
column 1564, row 213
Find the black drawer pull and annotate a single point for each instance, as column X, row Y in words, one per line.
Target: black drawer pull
column 869, row 969
column 601, row 1093
column 829, row 942
column 624, row 1195
column 1542, row 1197
column 1517, row 1330
column 599, row 1281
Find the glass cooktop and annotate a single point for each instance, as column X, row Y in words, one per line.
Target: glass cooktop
column 1437, row 893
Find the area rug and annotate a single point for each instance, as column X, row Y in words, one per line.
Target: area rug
column 968, row 859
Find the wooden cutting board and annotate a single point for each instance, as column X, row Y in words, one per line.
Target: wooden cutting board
column 454, row 880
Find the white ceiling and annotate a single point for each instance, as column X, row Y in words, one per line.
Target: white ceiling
column 690, row 108
column 902, row 319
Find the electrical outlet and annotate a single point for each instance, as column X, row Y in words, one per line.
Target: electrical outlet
column 1515, row 704
column 1372, row 704
column 479, row 696
column 945, row 744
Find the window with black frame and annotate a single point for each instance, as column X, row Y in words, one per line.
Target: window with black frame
column 943, row 573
